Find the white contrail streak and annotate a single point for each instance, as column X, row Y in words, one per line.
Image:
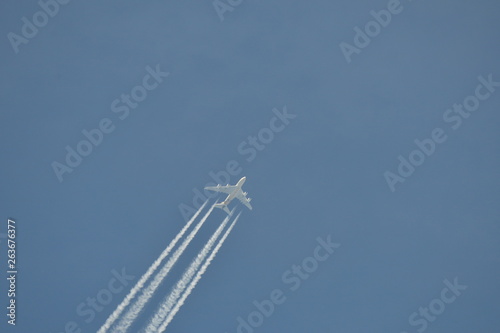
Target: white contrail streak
column 169, row 301
column 140, row 284
column 136, row 308
column 197, row 278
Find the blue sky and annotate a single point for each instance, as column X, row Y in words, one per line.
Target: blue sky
column 323, row 174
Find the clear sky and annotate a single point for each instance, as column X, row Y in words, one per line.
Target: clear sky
column 354, row 89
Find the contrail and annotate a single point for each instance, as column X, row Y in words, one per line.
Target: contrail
column 129, row 317
column 140, row 284
column 197, row 278
column 177, row 290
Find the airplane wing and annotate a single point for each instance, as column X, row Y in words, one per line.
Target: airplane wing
column 228, row 189
column 244, row 200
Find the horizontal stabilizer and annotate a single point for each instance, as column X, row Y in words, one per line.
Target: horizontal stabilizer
column 223, row 206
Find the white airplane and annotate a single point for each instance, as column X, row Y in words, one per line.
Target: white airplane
column 233, row 191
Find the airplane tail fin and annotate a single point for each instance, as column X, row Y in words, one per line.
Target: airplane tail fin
column 223, row 206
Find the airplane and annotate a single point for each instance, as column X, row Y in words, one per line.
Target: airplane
column 233, row 191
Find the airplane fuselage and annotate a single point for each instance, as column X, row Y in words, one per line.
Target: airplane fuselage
column 238, row 185
column 232, row 191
